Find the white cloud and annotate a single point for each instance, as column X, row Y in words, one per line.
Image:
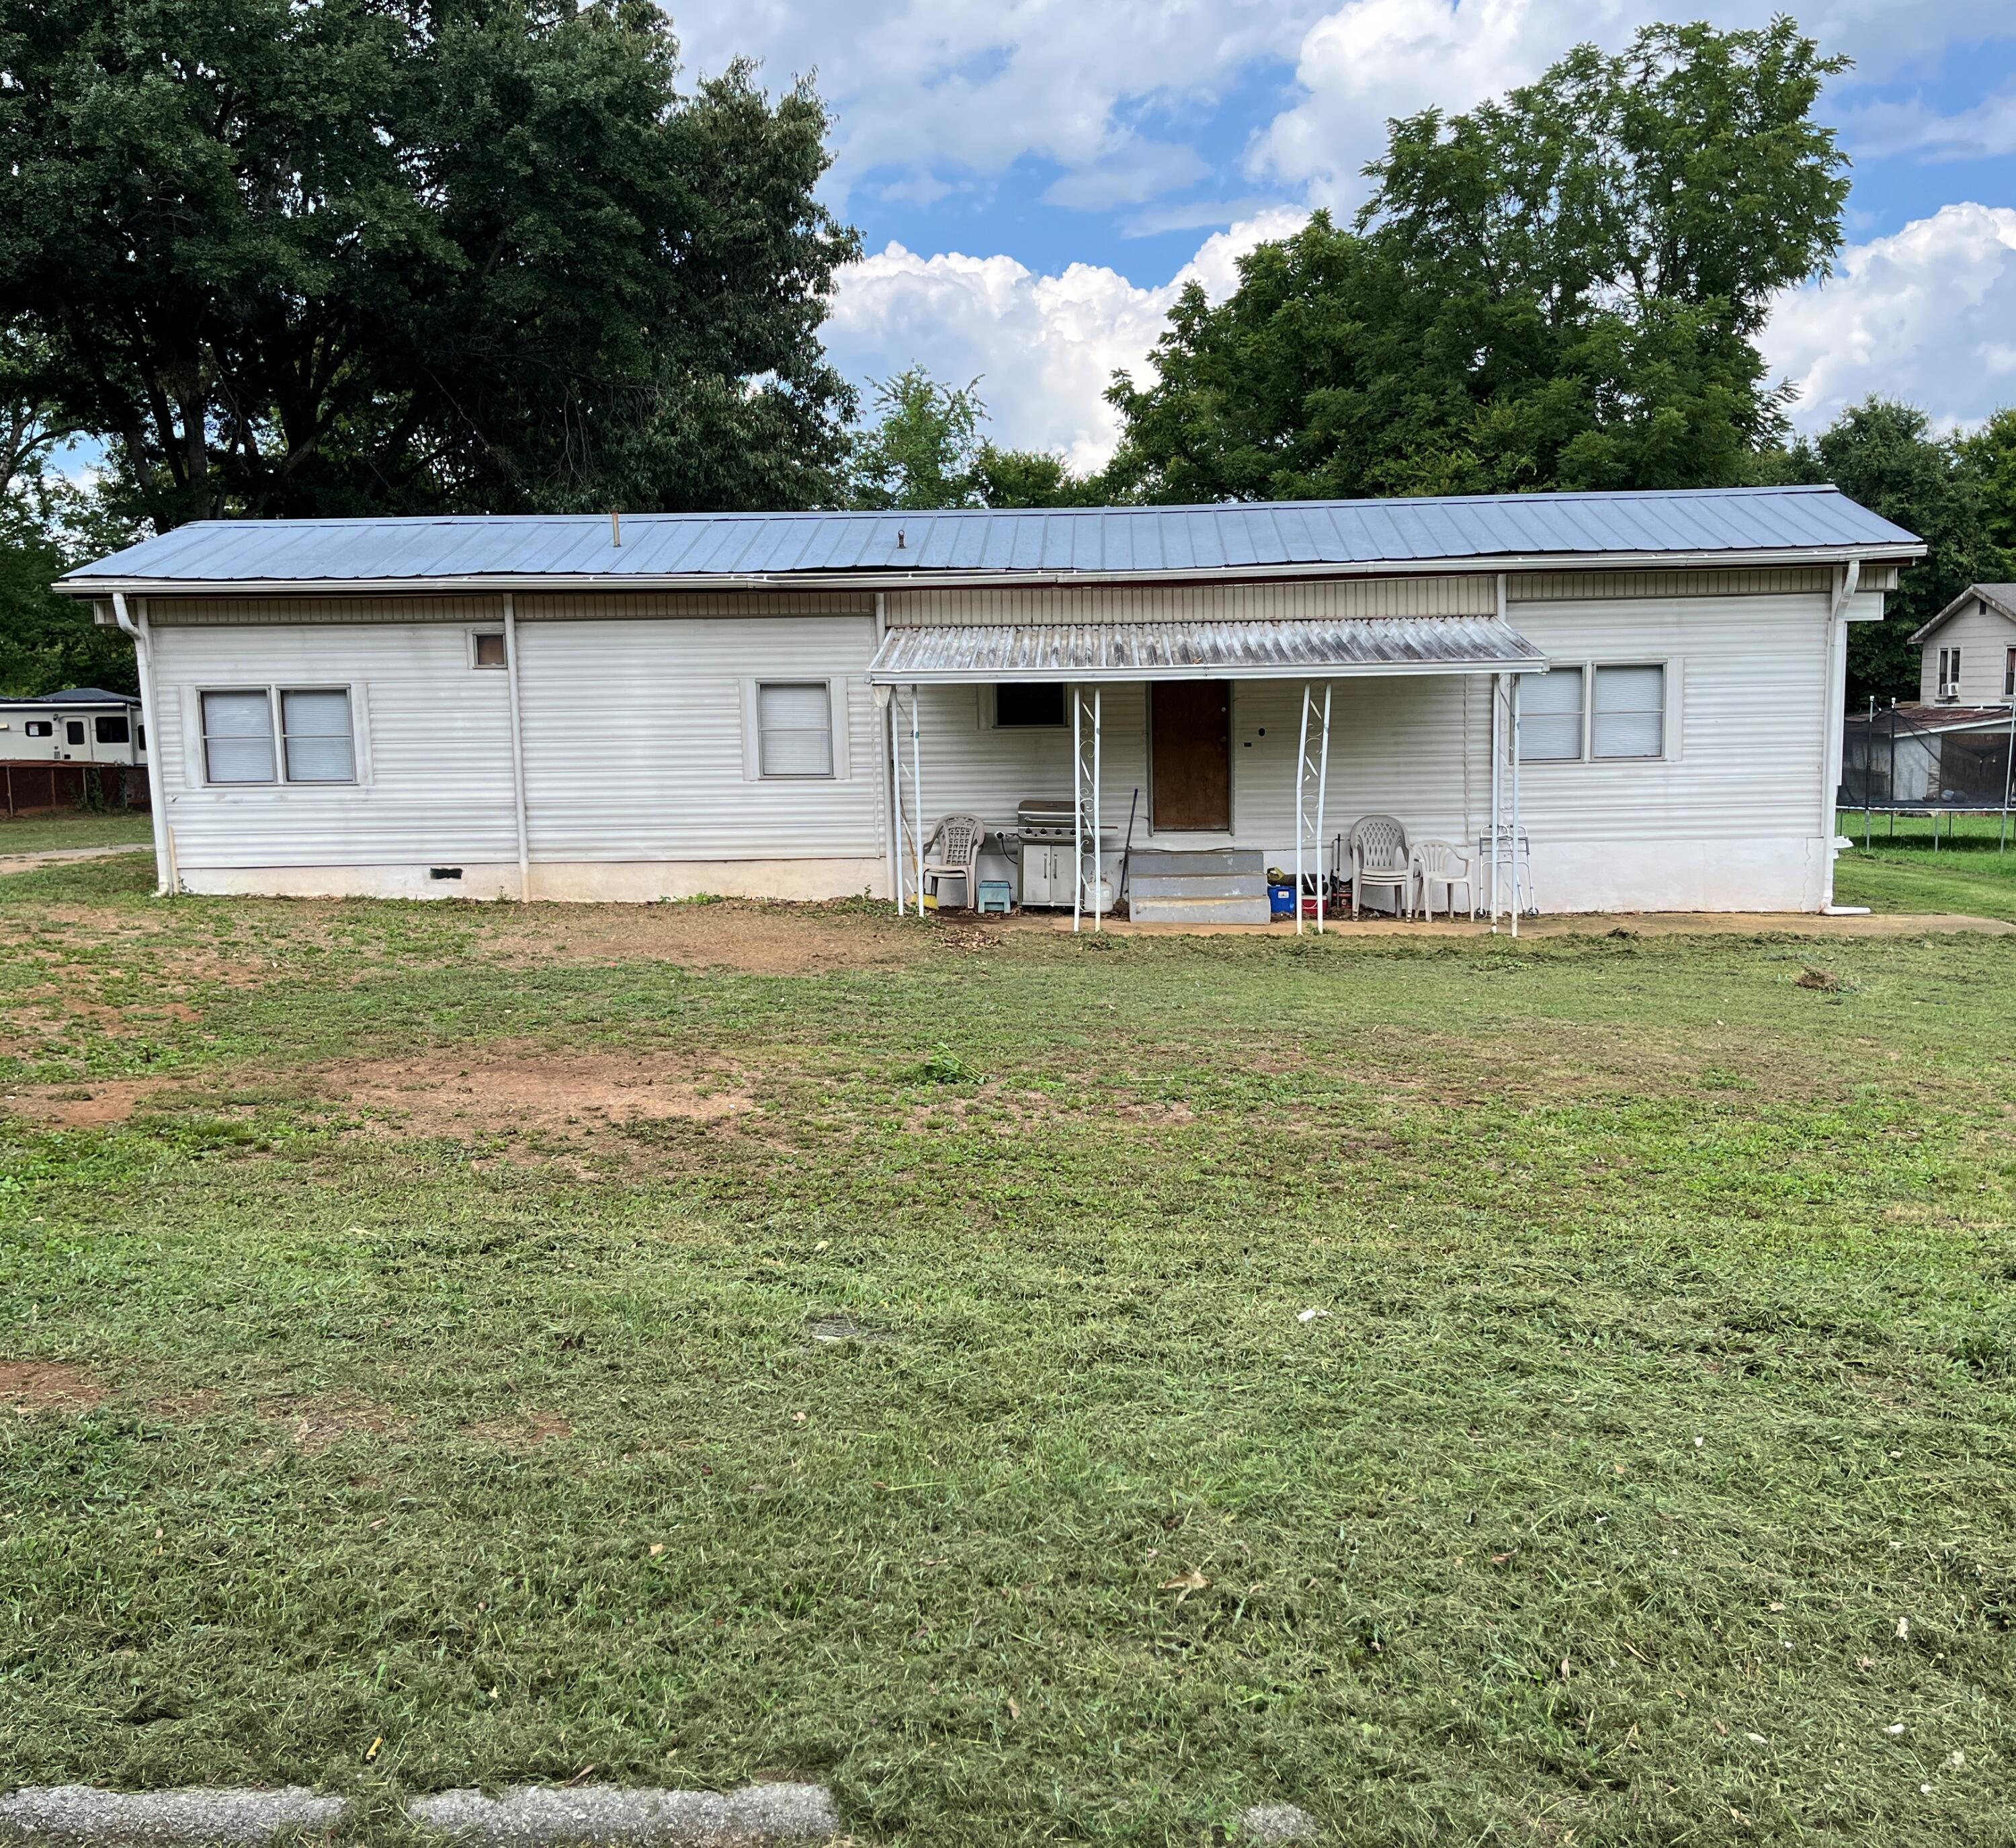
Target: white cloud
column 956, row 86
column 1372, row 60
column 1923, row 316
column 1911, row 127
column 1045, row 346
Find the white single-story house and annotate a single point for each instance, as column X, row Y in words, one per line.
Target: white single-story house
column 1968, row 655
column 85, row 725
column 1645, row 688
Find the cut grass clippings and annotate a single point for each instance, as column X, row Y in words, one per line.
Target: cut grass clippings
column 949, row 1423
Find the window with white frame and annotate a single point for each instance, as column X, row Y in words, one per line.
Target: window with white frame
column 314, row 741
column 1949, row 673
column 238, row 737
column 1573, row 715
column 486, row 648
column 1550, row 709
column 2009, row 676
column 1627, row 716
column 314, row 727
column 794, row 728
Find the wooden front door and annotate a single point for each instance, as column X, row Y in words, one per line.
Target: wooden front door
column 1190, row 746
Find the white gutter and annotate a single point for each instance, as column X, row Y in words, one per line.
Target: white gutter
column 517, row 750
column 923, row 579
column 158, row 799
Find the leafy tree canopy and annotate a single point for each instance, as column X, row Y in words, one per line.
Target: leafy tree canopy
column 1558, row 289
column 398, row 255
column 926, row 450
column 1885, row 455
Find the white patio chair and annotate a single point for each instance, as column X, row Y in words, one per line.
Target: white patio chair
column 953, row 852
column 1377, row 845
column 1443, row 863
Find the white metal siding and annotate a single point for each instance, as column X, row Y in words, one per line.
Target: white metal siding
column 433, row 739
column 1984, row 637
column 637, row 740
column 1280, row 600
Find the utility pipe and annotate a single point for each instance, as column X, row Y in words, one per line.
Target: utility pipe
column 157, row 802
column 517, row 749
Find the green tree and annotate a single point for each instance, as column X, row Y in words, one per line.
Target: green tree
column 1558, row 289
column 407, row 255
column 1991, row 450
column 1885, row 455
column 925, row 449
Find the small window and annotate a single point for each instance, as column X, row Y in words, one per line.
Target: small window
column 72, row 731
column 39, row 728
column 315, row 725
column 2009, row 676
column 1550, row 716
column 1949, row 673
column 114, row 729
column 1017, row 708
column 1628, row 715
column 238, row 737
column 794, row 727
column 489, row 647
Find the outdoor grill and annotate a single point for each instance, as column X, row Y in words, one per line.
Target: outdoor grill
column 1045, row 818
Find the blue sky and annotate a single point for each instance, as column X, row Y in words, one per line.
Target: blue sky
column 1031, row 177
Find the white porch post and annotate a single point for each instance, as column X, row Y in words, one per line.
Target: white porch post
column 1516, row 679
column 917, row 796
column 1078, row 804
column 1312, row 786
column 1098, row 839
column 1497, row 777
column 885, row 707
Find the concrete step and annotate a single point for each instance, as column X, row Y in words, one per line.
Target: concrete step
column 1198, row 910
column 1186, row 863
column 1199, row 885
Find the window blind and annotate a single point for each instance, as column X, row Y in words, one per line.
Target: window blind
column 794, row 727
column 238, row 737
column 1628, row 716
column 1550, row 716
column 315, row 725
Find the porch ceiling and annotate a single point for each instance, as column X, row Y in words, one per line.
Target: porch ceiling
column 1323, row 649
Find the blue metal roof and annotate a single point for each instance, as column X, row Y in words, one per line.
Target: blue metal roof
column 1105, row 540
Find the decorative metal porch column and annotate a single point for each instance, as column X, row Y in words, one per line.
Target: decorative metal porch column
column 1087, row 714
column 1311, row 781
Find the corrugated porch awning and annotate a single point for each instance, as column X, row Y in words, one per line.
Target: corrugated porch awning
column 1301, row 649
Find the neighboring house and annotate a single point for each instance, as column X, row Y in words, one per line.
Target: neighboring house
column 81, row 725
column 1919, row 756
column 557, row 707
column 1969, row 649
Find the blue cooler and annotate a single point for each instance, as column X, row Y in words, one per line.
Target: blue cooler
column 1281, row 900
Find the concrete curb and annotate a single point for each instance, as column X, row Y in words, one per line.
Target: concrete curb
column 81, row 1813
column 536, row 1816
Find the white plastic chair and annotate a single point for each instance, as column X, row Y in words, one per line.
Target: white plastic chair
column 953, row 852
column 1443, row 863
column 1378, row 845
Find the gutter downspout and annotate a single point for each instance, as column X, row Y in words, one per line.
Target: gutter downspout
column 1835, row 718
column 158, row 801
column 517, row 749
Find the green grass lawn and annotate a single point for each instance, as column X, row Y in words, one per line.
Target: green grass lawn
column 1907, row 867
column 38, row 833
column 453, row 1345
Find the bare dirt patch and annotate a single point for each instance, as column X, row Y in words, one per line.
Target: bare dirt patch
column 28, row 1387
column 517, row 1088
column 741, row 934
column 526, row 1433
column 315, row 1424
column 93, row 1106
